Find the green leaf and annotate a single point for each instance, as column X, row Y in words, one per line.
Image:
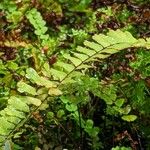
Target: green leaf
column 18, row 104
column 32, row 74
column 23, row 87
column 2, row 138
column 31, row 100
column 95, row 46
column 74, row 60
column 34, row 77
column 99, row 39
column 60, row 113
column 71, row 107
column 12, row 119
column 119, row 102
column 11, row 111
column 12, row 65
column 50, row 114
column 6, row 124
column 81, row 56
column 54, row 92
column 38, row 32
column 64, row 99
column 126, row 110
column 89, row 123
column 15, row 17
column 95, row 132
column 43, row 29
column 86, row 51
column 66, row 66
column 129, row 118
column 45, row 82
column 59, row 75
column 84, row 67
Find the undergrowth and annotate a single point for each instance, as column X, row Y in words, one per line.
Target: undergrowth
column 74, row 75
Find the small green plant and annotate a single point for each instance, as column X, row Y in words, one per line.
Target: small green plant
column 39, row 24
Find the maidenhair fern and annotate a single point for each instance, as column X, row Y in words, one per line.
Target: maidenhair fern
column 67, row 69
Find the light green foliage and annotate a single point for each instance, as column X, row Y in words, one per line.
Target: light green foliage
column 121, row 148
column 13, row 13
column 35, row 78
column 101, row 48
column 60, row 113
column 39, row 24
column 36, row 20
column 63, row 85
column 13, row 114
column 23, row 87
column 129, row 118
column 7, row 79
column 41, row 30
column 57, row 77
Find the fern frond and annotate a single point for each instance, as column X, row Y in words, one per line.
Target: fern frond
column 14, row 114
column 100, row 48
column 41, row 81
column 35, row 18
column 69, row 67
